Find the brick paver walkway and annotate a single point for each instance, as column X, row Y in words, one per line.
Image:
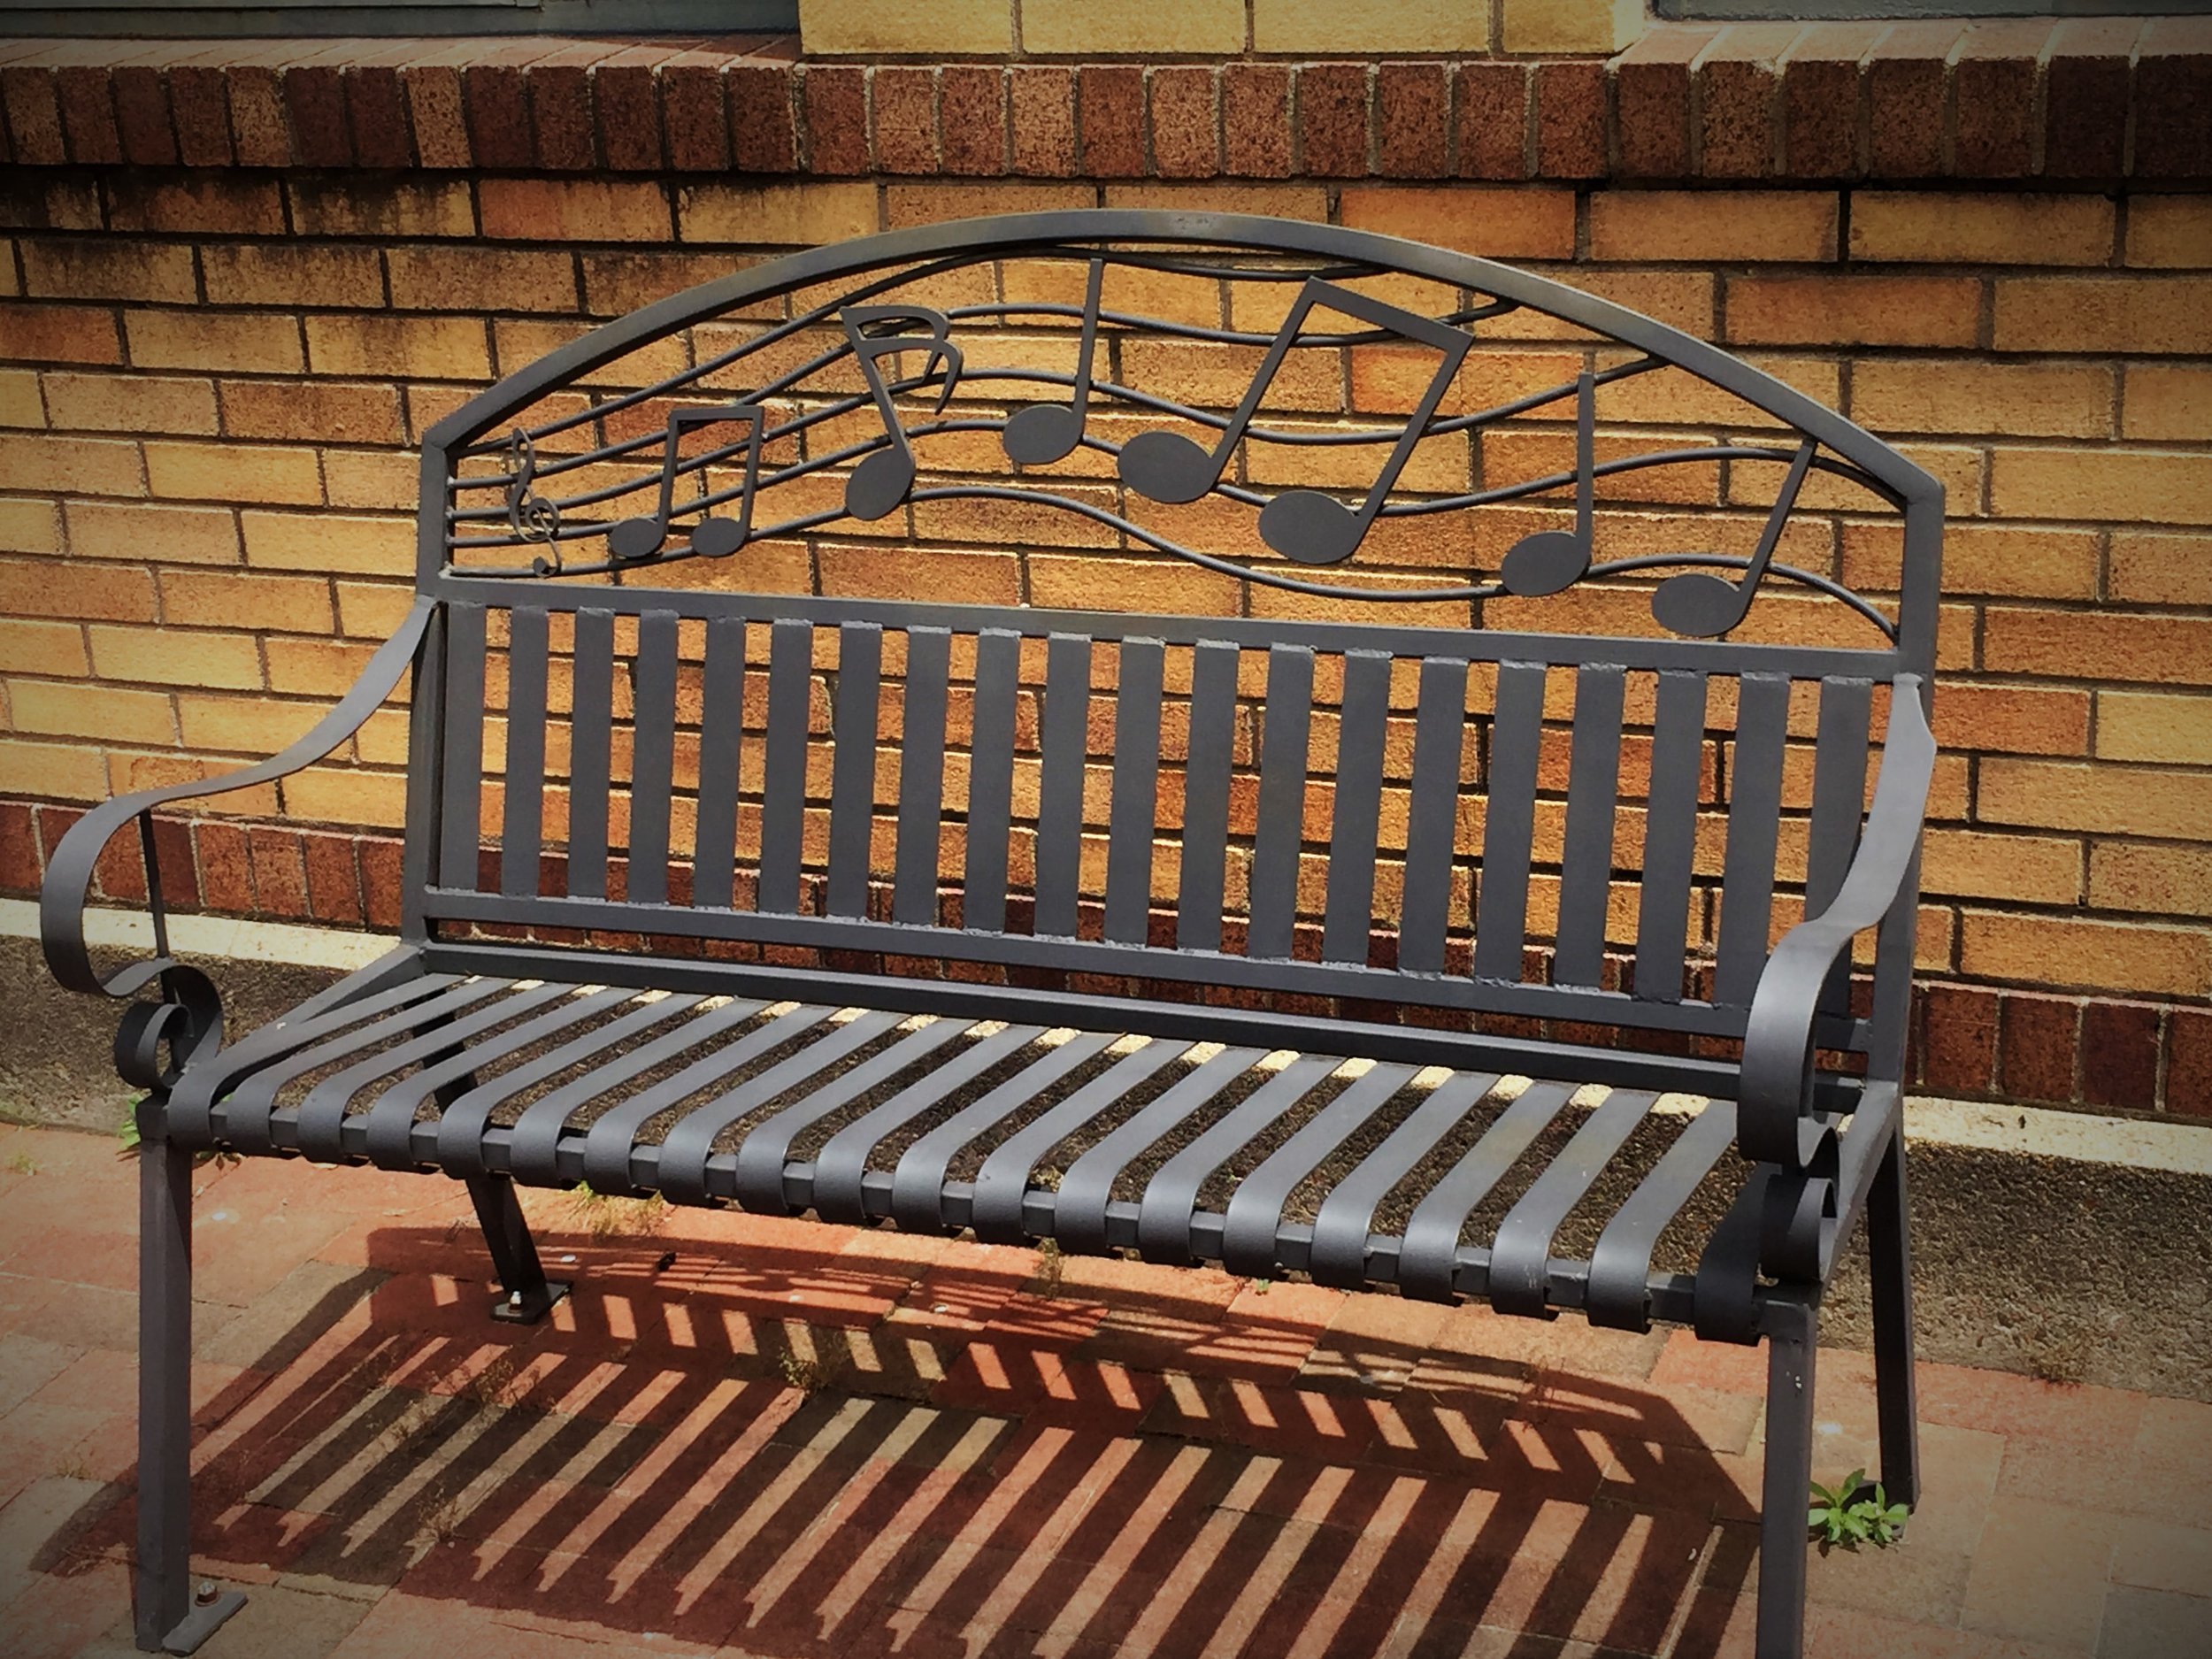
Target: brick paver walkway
column 776, row 1438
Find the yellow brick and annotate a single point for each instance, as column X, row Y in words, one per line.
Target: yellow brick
column 329, row 542
column 2097, row 955
column 29, row 527
column 315, row 668
column 178, row 535
column 354, row 204
column 19, row 402
column 41, row 648
column 128, row 770
column 288, row 604
column 2161, row 570
column 57, row 334
column 108, row 268
column 1569, row 26
column 1500, row 221
column 1701, row 224
column 2018, row 719
column 574, row 210
column 471, row 279
column 2173, row 231
column 2162, row 400
column 910, row 205
column 1309, row 201
column 2104, row 799
column 1967, row 228
column 243, row 725
column 2094, row 645
column 1122, row 584
column 51, row 709
column 2048, row 400
column 2163, row 486
column 2024, row 869
column 67, row 771
column 798, row 214
column 90, row 466
column 2156, row 725
column 1854, row 311
column 370, row 479
column 130, row 402
column 102, row 592
column 213, row 199
column 984, row 579
column 411, row 347
column 331, row 794
column 291, row 273
column 176, row 657
column 232, row 472
column 266, row 344
column 2138, row 313
column 373, row 611
column 2171, row 880
column 1326, row 28
column 313, row 411
column 2001, row 559
column 938, row 27
column 1086, row 28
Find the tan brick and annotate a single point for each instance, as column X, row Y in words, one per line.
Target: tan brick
column 352, row 205
column 2136, row 313
column 1978, row 558
column 67, row 771
column 57, row 334
column 1089, row 27
column 288, row 604
column 2095, row 796
column 331, row 794
column 1854, row 311
column 937, row 27
column 2050, row 400
column 41, row 648
column 1322, row 27
column 2024, row 869
column 315, row 668
column 182, row 204
column 2166, row 726
column 373, row 611
column 2161, row 570
column 108, row 268
column 2162, row 400
column 1569, row 26
column 1501, row 221
column 370, row 479
column 34, row 587
column 29, row 527
column 2163, row 486
column 574, row 210
column 243, row 725
column 313, row 411
column 2170, row 231
column 177, row 535
column 267, row 344
column 2168, row 880
column 291, row 273
column 799, row 214
column 481, row 279
column 1980, row 227
column 1122, row 584
column 2100, row 956
column 50, row 709
column 232, row 472
column 130, row 770
column 2092, row 645
column 1308, row 202
column 1699, row 225
column 910, row 205
column 2018, row 720
column 615, row 283
column 20, row 404
column 130, row 402
column 176, row 657
column 412, row 348
column 329, row 542
column 90, row 466
column 890, row 572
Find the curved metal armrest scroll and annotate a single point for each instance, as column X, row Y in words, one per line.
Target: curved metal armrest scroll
column 1775, row 1120
column 188, row 1015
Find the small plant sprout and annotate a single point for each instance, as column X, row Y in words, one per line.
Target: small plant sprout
column 1851, row 1514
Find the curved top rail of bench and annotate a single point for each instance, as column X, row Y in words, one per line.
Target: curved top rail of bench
column 1303, row 524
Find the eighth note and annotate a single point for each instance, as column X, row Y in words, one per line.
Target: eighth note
column 880, row 482
column 636, row 538
column 1704, row 606
column 1548, row 561
column 1046, row 433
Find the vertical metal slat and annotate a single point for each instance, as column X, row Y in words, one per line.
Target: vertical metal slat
column 721, row 721
column 591, row 719
column 990, row 779
column 1350, row 916
column 522, row 832
column 1593, row 781
column 653, row 750
column 1510, row 825
column 1432, row 819
column 1754, row 811
column 1283, row 755
column 1669, row 836
column 1136, row 790
column 1213, row 708
column 461, row 807
column 853, row 774
column 783, row 783
column 921, row 775
column 1060, row 808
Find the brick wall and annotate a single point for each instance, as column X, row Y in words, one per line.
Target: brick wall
column 236, row 291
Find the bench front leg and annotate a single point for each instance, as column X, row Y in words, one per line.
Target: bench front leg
column 1792, row 1342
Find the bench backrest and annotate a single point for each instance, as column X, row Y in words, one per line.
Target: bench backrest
column 1357, row 790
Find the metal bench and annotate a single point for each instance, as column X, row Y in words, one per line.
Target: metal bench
column 1344, row 925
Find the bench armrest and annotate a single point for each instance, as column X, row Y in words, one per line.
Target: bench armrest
column 1775, row 1120
column 188, row 1017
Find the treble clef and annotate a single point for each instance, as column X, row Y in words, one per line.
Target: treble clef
column 533, row 517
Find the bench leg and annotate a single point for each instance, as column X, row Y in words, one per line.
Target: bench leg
column 172, row 1614
column 1791, row 1335
column 525, row 1295
column 1889, row 1244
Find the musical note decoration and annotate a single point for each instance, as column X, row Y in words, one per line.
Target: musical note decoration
column 530, row 515
column 881, row 481
column 641, row 538
column 1046, row 433
column 1304, row 525
column 1551, row 561
column 1708, row 607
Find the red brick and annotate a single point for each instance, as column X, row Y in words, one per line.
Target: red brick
column 315, row 102
column 199, row 103
column 87, row 112
column 1992, row 91
column 1333, row 119
column 1493, row 121
column 1651, row 102
column 905, row 113
column 2119, row 1056
column 1186, row 121
column 1958, row 1042
column 2036, row 1042
column 119, row 872
column 141, row 116
column 225, row 870
column 280, row 878
column 436, row 112
column 172, row 856
column 763, row 129
column 1822, row 98
column 1042, row 98
column 2173, row 90
column 333, row 889
column 1737, row 85
column 19, row 849
column 54, row 822
column 34, row 112
column 836, row 119
column 1110, row 115
column 495, row 103
column 259, row 128
column 381, row 881
column 376, row 108
column 1906, row 82
column 561, row 114
column 2189, row 1061
column 1570, row 120
column 2086, row 98
column 626, row 113
column 1413, row 121
column 1256, row 120
column 694, row 116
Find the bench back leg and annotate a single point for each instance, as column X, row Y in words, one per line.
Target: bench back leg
column 1791, row 1329
column 525, row 1294
column 1889, row 1245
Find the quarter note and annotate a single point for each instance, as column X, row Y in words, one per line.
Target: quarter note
column 1549, row 560
column 1705, row 606
column 880, row 482
column 1303, row 524
column 1045, row 432
column 636, row 538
